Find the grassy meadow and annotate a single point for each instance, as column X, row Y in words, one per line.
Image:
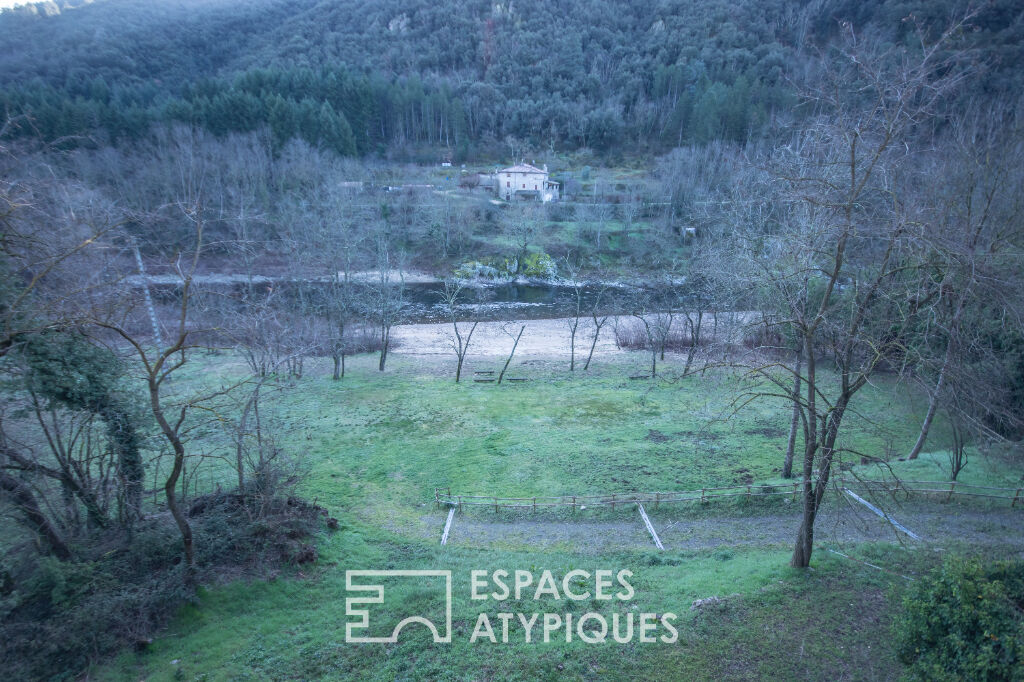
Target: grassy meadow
column 372, row 447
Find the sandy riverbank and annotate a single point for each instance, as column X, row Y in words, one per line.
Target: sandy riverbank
column 541, row 338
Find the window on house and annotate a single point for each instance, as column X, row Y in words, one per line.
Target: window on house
column 524, row 185
column 508, row 184
column 535, row 186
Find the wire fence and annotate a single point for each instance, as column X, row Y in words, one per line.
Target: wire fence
column 948, row 489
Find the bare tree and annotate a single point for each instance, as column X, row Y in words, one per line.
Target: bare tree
column 572, row 323
column 598, row 317
column 522, row 226
column 450, row 298
column 976, row 222
column 259, row 460
column 158, row 365
column 515, row 344
column 598, row 214
column 643, row 309
column 237, row 189
column 859, row 247
column 384, row 300
column 56, row 244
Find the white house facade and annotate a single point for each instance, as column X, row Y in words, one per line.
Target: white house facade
column 524, row 181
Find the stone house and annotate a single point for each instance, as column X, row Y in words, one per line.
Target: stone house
column 524, row 181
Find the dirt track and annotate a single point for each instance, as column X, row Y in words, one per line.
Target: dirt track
column 938, row 525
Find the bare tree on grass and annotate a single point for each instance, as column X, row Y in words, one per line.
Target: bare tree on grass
column 258, row 326
column 598, row 319
column 328, row 237
column 572, row 323
column 450, row 297
column 339, row 311
column 384, row 299
column 515, row 344
column 698, row 293
column 259, row 460
column 644, row 310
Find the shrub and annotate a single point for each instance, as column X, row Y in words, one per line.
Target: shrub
column 477, row 270
column 560, row 212
column 58, row 618
column 632, row 336
column 539, row 265
column 965, row 622
column 499, row 268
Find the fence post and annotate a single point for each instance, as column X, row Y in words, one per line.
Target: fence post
column 613, row 501
column 495, row 505
column 748, row 492
column 952, row 485
column 1014, row 503
column 460, row 502
column 702, row 495
column 574, row 503
column 437, row 499
column 657, row 499
column 794, row 492
column 535, row 505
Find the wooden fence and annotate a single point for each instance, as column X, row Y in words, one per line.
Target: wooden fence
column 946, row 489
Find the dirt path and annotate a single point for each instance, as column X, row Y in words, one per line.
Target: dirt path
column 937, row 525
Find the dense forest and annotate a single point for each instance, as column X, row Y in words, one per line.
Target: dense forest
column 404, row 79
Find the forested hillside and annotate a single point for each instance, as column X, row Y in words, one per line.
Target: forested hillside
column 402, row 78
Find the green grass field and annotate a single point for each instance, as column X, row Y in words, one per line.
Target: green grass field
column 373, row 447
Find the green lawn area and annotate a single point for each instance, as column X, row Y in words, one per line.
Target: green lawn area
column 374, row 446
column 380, row 443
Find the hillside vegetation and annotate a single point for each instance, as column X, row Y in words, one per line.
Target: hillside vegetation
column 405, row 78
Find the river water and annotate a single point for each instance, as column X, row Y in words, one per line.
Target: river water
column 424, row 304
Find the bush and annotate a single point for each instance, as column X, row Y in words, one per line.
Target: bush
column 477, row 270
column 58, row 618
column 540, row 265
column 965, row 622
column 632, row 336
column 558, row 212
column 500, row 269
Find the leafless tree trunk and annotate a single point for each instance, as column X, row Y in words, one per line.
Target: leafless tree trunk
column 450, row 296
column 933, row 403
column 501, row 375
column 388, row 299
column 957, row 455
column 573, row 323
column 694, row 320
column 599, row 321
column 794, row 421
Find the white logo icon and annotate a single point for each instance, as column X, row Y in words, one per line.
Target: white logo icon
column 375, row 595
